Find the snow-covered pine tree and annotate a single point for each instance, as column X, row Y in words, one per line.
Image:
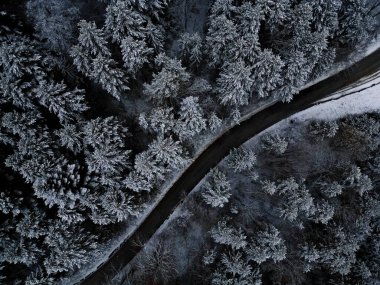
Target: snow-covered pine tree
column 167, row 83
column 356, row 23
column 234, row 268
column 93, row 58
column 65, row 104
column 242, row 159
column 275, row 12
column 191, row 120
column 92, row 40
column 135, row 54
column 274, row 143
column 266, row 73
column 320, row 130
column 295, row 198
column 71, row 137
column 235, row 84
column 55, row 21
column 324, row 212
column 69, row 248
column 105, row 147
column 109, row 76
column 159, row 120
column 222, row 33
column 266, row 244
column 191, row 48
column 224, row 234
column 167, row 152
column 123, row 21
column 217, row 189
column 214, row 122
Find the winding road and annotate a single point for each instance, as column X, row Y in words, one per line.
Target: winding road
column 211, row 156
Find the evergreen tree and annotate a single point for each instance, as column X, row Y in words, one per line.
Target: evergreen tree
column 235, row 84
column 266, row 75
column 356, row 23
column 266, row 244
column 216, row 190
column 242, row 159
column 54, row 21
column 167, row 83
column 214, row 122
column 323, row 129
column 167, row 152
column 191, row 48
column 159, row 120
column 92, row 40
column 65, row 104
column 135, row 54
column 191, row 121
column 111, row 78
column 274, row 144
column 123, row 21
column 222, row 33
column 226, row 235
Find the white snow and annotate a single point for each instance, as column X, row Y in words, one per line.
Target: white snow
column 360, row 99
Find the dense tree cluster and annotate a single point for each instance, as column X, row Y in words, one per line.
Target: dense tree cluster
column 325, row 220
column 71, row 171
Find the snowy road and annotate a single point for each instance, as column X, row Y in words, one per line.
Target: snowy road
column 211, row 156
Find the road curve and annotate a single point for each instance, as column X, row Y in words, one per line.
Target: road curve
column 211, row 156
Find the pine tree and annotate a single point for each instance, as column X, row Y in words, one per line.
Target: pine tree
column 266, row 75
column 18, row 62
column 191, row 121
column 241, row 160
column 71, row 137
column 68, row 248
column 356, row 23
column 111, row 78
column 362, row 183
column 191, row 48
column 222, row 33
column 325, row 14
column 235, row 84
column 274, row 144
column 323, row 129
column 167, row 152
column 135, row 54
column 214, row 122
column 167, row 83
column 65, row 104
column 235, row 269
column 295, row 198
column 159, row 120
column 105, row 151
column 226, row 235
column 275, row 12
column 20, row 123
column 54, row 21
column 266, row 244
column 92, row 40
column 222, row 7
column 149, row 169
column 324, row 212
column 217, row 189
column 123, row 21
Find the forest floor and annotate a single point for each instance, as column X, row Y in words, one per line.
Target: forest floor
column 219, row 149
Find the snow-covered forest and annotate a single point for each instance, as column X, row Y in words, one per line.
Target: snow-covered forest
column 103, row 101
column 295, row 205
